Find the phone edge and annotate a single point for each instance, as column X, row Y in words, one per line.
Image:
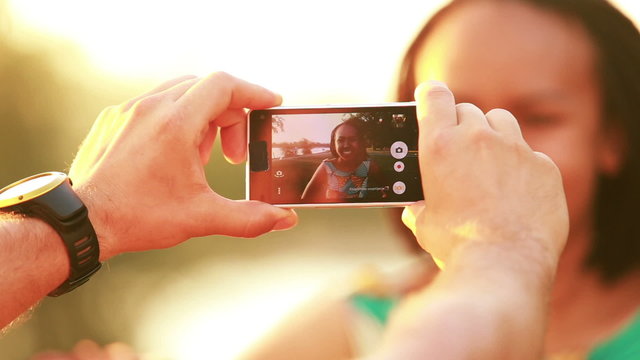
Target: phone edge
column 328, row 205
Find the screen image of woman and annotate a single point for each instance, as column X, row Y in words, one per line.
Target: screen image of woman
column 349, row 175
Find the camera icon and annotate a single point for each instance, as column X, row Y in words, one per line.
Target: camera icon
column 399, row 150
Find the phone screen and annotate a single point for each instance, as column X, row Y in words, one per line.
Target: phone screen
column 334, row 156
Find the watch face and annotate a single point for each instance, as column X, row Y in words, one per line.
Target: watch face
column 30, row 188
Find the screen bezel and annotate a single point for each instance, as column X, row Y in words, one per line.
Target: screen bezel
column 322, row 109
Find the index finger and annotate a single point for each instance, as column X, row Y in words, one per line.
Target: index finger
column 220, row 91
column 436, row 106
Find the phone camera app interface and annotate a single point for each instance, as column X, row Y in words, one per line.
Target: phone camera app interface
column 338, row 157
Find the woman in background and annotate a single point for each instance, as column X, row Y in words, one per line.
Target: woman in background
column 569, row 70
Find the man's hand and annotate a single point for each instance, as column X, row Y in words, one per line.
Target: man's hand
column 482, row 182
column 495, row 217
column 140, row 169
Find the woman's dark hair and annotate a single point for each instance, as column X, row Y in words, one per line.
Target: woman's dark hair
column 354, row 122
column 615, row 250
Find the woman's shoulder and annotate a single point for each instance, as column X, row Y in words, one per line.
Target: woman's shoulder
column 329, row 164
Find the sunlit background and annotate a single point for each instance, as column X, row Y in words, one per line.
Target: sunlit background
column 62, row 61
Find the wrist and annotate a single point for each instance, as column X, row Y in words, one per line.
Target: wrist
column 36, row 237
column 525, row 263
column 492, row 298
column 99, row 217
column 504, row 286
column 50, row 197
column 495, row 243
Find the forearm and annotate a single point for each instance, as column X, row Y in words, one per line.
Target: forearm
column 318, row 330
column 34, row 262
column 490, row 303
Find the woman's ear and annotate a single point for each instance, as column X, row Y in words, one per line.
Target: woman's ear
column 612, row 150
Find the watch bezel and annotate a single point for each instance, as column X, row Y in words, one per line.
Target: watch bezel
column 57, row 178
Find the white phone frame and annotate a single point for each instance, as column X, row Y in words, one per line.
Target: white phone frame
column 325, row 205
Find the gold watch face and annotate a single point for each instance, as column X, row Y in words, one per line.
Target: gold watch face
column 29, row 188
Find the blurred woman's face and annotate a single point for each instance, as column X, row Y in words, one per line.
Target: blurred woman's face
column 348, row 143
column 539, row 66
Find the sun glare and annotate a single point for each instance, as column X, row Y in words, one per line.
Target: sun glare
column 330, row 51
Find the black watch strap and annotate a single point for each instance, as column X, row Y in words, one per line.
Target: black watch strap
column 51, row 198
column 81, row 242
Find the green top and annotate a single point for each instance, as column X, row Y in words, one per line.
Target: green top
column 623, row 346
column 376, row 307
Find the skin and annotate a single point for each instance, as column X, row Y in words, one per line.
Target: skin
column 477, row 222
column 351, row 151
column 350, row 148
column 490, row 303
column 489, row 316
column 542, row 68
column 497, row 217
column 128, row 166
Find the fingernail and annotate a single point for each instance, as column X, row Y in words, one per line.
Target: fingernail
column 425, row 86
column 437, row 83
column 286, row 223
column 278, row 97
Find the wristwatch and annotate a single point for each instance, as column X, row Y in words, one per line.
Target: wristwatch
column 50, row 197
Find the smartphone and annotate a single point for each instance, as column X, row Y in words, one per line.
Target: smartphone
column 334, row 156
